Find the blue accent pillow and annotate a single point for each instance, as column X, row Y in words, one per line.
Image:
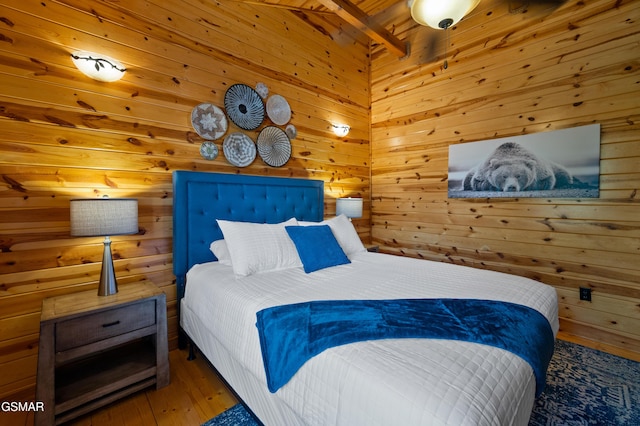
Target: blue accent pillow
column 317, row 247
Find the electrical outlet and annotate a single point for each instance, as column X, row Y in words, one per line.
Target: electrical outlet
column 585, row 294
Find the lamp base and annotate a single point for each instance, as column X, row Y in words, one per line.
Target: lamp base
column 108, row 284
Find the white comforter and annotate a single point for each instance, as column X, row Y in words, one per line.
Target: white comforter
column 383, row 382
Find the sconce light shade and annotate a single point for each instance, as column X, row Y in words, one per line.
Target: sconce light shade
column 350, row 207
column 341, row 130
column 98, row 67
column 440, row 14
column 93, row 217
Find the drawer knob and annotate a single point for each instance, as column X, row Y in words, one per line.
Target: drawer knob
column 111, row 324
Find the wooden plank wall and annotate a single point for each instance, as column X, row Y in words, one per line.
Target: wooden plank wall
column 64, row 135
column 511, row 75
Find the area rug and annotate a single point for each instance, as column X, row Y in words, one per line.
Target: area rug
column 584, row 387
column 234, row 416
column 588, row 387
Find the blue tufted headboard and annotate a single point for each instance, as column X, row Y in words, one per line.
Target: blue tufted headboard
column 199, row 198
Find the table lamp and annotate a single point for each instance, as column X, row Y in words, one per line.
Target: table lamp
column 93, row 217
column 350, row 207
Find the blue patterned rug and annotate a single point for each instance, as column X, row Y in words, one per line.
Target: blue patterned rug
column 588, row 387
column 234, row 416
column 584, row 387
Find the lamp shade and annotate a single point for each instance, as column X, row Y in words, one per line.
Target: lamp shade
column 92, row 217
column 350, row 207
column 441, row 14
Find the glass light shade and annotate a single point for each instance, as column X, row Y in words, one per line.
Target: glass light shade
column 98, row 67
column 441, row 14
column 350, row 207
column 341, row 130
column 92, row 217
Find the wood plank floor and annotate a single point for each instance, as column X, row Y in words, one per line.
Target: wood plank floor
column 195, row 395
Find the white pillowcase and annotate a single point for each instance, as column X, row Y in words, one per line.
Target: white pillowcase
column 221, row 252
column 259, row 247
column 345, row 233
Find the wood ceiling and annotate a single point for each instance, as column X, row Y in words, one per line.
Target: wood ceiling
column 376, row 19
column 385, row 22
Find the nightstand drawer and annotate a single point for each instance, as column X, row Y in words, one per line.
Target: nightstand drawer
column 102, row 325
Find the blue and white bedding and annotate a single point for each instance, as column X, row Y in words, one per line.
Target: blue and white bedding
column 379, row 382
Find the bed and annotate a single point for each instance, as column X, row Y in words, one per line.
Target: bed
column 225, row 306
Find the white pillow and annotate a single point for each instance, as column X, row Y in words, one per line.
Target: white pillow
column 344, row 232
column 259, row 247
column 221, row 252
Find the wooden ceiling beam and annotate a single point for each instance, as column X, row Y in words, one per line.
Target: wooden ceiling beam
column 360, row 20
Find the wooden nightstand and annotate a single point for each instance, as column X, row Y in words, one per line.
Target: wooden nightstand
column 97, row 349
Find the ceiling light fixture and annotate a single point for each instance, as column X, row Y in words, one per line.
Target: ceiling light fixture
column 440, row 14
column 98, row 67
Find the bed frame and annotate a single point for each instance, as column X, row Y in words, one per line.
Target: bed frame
column 199, row 198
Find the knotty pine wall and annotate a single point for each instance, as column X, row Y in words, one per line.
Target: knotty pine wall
column 63, row 135
column 513, row 75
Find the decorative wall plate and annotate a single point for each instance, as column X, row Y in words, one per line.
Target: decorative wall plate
column 291, row 131
column 209, row 121
column 209, row 150
column 278, row 110
column 274, row 146
column 239, row 149
column 244, row 106
column 262, row 90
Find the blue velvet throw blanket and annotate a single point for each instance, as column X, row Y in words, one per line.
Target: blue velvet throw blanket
column 292, row 334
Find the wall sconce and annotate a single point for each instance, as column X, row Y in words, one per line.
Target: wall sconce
column 98, row 67
column 350, row 207
column 94, row 217
column 341, row 130
column 440, row 14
